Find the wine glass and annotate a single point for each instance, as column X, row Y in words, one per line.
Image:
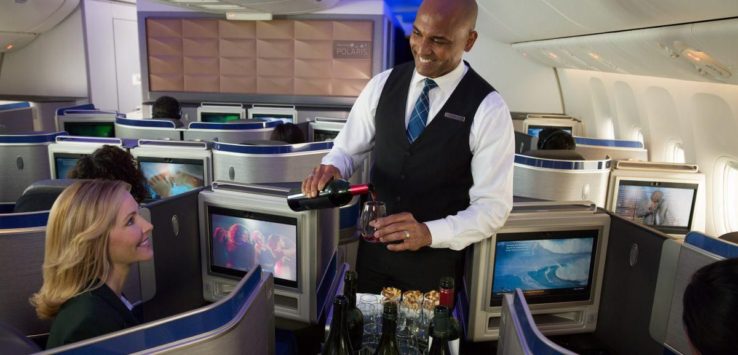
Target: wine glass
column 371, row 211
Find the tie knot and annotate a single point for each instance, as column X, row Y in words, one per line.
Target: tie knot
column 429, row 84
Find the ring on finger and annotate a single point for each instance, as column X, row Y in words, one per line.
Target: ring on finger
column 407, row 235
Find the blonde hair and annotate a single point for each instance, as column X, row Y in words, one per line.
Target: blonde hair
column 77, row 234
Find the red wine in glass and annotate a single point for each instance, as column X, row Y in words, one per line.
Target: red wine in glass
column 371, row 210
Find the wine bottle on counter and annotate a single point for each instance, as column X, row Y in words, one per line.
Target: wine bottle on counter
column 339, row 342
column 446, row 292
column 354, row 317
column 441, row 332
column 388, row 342
column 336, row 193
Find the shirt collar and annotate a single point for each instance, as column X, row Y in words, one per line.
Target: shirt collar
column 445, row 82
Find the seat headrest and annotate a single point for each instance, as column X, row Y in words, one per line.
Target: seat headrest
column 559, row 154
column 13, row 342
column 731, row 237
column 40, row 196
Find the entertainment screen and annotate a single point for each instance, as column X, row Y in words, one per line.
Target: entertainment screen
column 548, row 266
column 667, row 206
column 90, row 129
column 219, row 117
column 239, row 240
column 64, row 163
column 271, row 117
column 535, row 130
column 320, row 135
column 171, row 176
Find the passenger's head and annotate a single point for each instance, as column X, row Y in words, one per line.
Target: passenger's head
column 555, row 138
column 656, row 196
column 443, row 30
column 288, row 132
column 710, row 306
column 93, row 228
column 111, row 163
column 166, row 107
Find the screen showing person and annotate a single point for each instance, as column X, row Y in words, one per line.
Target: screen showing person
column 169, row 177
column 239, row 240
column 64, row 163
column 535, row 130
column 547, row 266
column 90, row 129
column 219, row 117
column 666, row 206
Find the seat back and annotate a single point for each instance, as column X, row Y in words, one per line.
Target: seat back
column 40, row 196
column 22, row 239
column 519, row 334
column 24, row 160
column 147, row 129
column 13, row 342
column 228, row 132
column 558, row 154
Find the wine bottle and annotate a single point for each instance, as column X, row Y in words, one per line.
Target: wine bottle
column 388, row 342
column 336, row 193
column 338, row 342
column 446, row 292
column 354, row 317
column 441, row 331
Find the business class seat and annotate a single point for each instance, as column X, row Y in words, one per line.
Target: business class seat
column 40, row 196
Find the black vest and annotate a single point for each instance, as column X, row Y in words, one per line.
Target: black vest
column 431, row 177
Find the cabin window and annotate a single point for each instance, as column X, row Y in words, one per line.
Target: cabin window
column 677, row 153
column 730, row 196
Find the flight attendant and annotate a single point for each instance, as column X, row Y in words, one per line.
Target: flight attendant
column 443, row 147
column 94, row 234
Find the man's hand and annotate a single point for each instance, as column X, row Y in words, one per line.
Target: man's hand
column 316, row 181
column 403, row 231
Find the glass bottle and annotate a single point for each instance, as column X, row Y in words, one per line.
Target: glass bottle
column 336, row 193
column 446, row 292
column 354, row 317
column 338, row 342
column 441, row 332
column 388, row 342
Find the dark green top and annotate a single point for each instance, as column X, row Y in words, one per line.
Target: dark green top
column 88, row 315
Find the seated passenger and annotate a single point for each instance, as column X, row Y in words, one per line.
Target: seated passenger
column 289, row 133
column 710, row 306
column 112, row 163
column 93, row 236
column 167, row 107
column 555, row 138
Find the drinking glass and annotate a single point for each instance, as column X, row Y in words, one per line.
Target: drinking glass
column 371, row 211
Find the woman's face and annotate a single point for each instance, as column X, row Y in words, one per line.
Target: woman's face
column 130, row 238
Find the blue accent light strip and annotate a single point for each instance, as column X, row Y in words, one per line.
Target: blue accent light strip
column 144, row 123
column 24, row 220
column 712, row 245
column 461, row 311
column 15, row 105
column 562, row 164
column 620, row 143
column 233, row 126
column 61, row 111
column 176, row 329
column 272, row 149
column 39, row 137
column 324, row 286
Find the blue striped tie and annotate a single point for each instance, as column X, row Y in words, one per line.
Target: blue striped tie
column 420, row 112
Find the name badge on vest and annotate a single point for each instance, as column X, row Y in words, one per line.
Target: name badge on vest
column 454, row 117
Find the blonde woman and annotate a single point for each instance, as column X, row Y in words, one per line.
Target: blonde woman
column 93, row 235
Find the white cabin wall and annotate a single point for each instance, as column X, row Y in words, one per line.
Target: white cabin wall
column 53, row 65
column 112, row 48
column 525, row 85
column 702, row 117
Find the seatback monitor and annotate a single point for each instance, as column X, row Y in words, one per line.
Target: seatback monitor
column 64, row 163
column 666, row 206
column 239, row 240
column 171, row 176
column 534, row 130
column 219, row 117
column 549, row 267
column 90, row 129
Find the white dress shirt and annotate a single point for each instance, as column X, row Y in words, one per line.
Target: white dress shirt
column 491, row 140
